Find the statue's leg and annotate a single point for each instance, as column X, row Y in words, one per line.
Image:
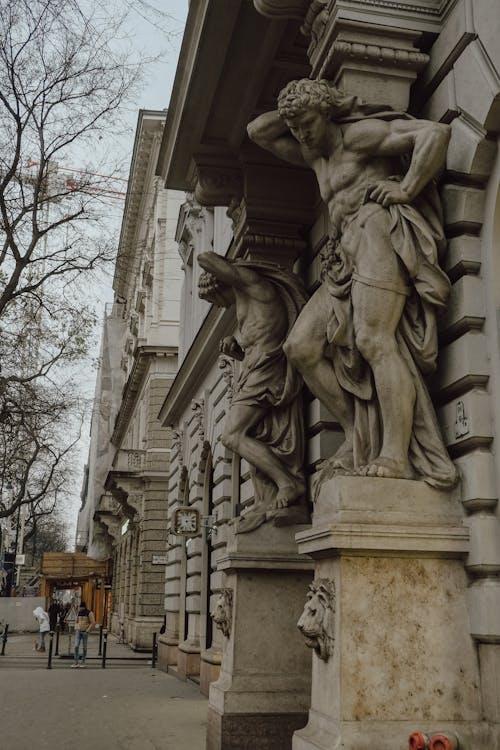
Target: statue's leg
column 305, row 348
column 239, row 421
column 376, row 316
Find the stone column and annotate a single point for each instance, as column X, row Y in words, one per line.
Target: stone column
column 393, row 653
column 262, row 693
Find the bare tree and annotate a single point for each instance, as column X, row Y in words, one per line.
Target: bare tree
column 65, row 72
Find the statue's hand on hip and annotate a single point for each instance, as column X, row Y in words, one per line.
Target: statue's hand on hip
column 387, row 192
column 231, row 348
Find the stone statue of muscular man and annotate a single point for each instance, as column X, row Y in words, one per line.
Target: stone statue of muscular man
column 368, row 335
column 264, row 423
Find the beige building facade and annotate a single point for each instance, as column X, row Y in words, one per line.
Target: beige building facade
column 124, row 513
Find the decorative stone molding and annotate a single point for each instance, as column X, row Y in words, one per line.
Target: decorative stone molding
column 223, row 612
column 227, row 367
column 183, row 485
column 198, row 406
column 206, row 452
column 235, row 212
column 317, row 620
column 308, row 10
column 135, row 460
column 398, row 57
column 178, row 444
column 273, row 242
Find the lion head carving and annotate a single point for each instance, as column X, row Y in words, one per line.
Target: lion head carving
column 316, row 622
column 223, row 611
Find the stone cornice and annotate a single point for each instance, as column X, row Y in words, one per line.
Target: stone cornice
column 149, row 124
column 143, row 357
column 307, row 11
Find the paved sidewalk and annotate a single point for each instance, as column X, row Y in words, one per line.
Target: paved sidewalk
column 127, row 706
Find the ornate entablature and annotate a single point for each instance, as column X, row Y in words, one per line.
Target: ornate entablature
column 367, row 46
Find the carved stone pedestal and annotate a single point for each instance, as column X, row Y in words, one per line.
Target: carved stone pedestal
column 403, row 659
column 262, row 694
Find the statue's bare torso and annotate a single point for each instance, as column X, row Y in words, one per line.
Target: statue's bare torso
column 256, row 306
column 344, row 178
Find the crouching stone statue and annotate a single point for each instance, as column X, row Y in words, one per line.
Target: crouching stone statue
column 264, row 424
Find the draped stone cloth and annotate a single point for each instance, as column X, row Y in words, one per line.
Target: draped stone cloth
column 416, row 237
column 270, row 382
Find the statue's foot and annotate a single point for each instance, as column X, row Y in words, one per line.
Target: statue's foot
column 288, row 494
column 341, row 463
column 343, row 459
column 386, row 467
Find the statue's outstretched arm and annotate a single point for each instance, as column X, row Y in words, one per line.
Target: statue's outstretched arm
column 226, row 271
column 270, row 132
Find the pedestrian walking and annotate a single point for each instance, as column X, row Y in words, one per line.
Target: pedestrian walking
column 44, row 626
column 85, row 622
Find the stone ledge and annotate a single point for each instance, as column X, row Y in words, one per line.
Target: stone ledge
column 429, row 541
column 263, row 561
column 390, row 516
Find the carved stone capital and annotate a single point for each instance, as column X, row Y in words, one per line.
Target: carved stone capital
column 218, row 186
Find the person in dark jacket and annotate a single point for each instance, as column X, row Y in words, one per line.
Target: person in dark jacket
column 53, row 614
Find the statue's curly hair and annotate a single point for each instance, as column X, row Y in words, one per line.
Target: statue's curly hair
column 305, row 93
column 212, row 290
